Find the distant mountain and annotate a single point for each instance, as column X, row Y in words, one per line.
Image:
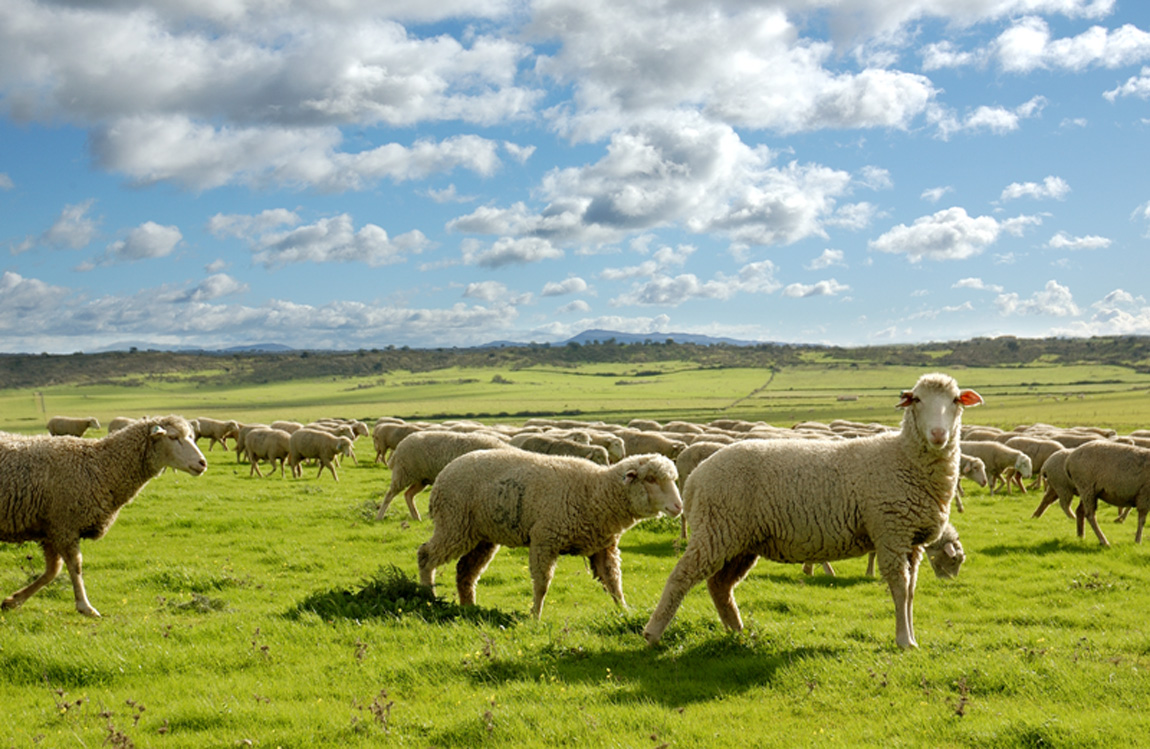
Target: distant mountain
column 252, row 348
column 602, row 336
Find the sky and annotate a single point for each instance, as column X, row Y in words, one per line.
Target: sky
column 347, row 174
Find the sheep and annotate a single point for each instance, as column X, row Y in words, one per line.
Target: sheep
column 418, row 459
column 216, row 431
column 71, row 426
column 822, row 500
column 1115, row 473
column 547, row 445
column 119, row 423
column 386, row 435
column 1058, row 484
column 286, row 426
column 265, row 443
column 1039, row 449
column 945, row 554
column 636, row 442
column 612, row 443
column 306, row 444
column 552, row 504
column 998, row 457
column 968, row 468
column 58, row 490
column 240, row 443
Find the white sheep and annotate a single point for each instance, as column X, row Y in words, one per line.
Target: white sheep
column 548, row 445
column 636, row 442
column 1113, row 472
column 418, row 459
column 71, row 426
column 216, row 431
column 550, row 503
column 945, row 554
column 997, row 458
column 286, row 426
column 1038, row 449
column 797, row 501
column 307, row 444
column 1058, row 484
column 58, row 490
column 119, row 423
column 968, row 468
column 387, row 435
column 240, row 443
column 265, row 443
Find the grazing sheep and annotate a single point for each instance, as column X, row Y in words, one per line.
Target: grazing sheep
column 636, row 442
column 119, row 423
column 216, row 431
column 58, row 490
column 307, row 444
column 968, row 468
column 944, row 553
column 686, row 463
column 550, row 503
column 821, row 500
column 1039, row 449
column 286, row 426
column 547, row 445
column 240, row 443
column 265, row 443
column 387, row 435
column 612, row 443
column 998, row 457
column 1058, row 484
column 418, row 459
column 1115, row 473
column 71, row 426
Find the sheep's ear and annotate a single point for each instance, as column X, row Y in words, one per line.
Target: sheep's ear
column 157, row 429
column 630, row 477
column 950, row 549
column 970, row 398
column 907, row 399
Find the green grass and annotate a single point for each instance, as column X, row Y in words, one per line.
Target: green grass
column 278, row 612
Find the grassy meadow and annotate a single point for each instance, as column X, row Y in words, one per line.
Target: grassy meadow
column 240, row 611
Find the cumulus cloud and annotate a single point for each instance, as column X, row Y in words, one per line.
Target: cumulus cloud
column 336, row 240
column 215, row 286
column 1055, row 300
column 146, row 241
column 935, row 194
column 572, row 285
column 577, row 306
column 827, row 259
column 949, row 234
column 664, row 290
column 1136, row 85
column 977, row 284
column 1027, row 45
column 994, row 119
column 829, row 287
column 1051, row 187
column 248, row 227
column 1063, row 241
column 73, row 229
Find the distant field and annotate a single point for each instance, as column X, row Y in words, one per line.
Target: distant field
column 1060, row 394
column 235, row 611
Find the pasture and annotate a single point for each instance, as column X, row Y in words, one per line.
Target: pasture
column 277, row 612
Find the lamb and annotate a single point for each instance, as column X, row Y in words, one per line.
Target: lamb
column 71, row 426
column 265, row 443
column 216, row 431
column 551, row 503
column 998, row 457
column 58, row 490
column 1113, row 472
column 968, row 468
column 797, row 501
column 306, row 444
column 945, row 554
column 418, row 459
column 547, row 445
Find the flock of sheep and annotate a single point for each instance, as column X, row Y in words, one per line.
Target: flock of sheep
column 813, row 493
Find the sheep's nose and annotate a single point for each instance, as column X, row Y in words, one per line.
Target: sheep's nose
column 938, row 436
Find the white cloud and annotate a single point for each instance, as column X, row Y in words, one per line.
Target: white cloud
column 6, row 182
column 509, row 251
column 827, row 259
column 949, row 234
column 829, row 287
column 1142, row 213
column 577, row 306
column 73, row 229
column 935, row 194
column 1054, row 300
column 215, row 286
column 572, row 285
column 663, row 290
column 336, row 240
column 977, row 284
column 248, row 227
column 517, row 152
column 1063, row 241
column 1118, row 313
column 1027, row 46
column 1136, row 85
column 216, row 265
column 487, row 291
column 944, row 54
column 876, row 178
column 146, row 241
column 997, row 120
column 1051, row 187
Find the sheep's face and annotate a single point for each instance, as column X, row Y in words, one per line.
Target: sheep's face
column 658, row 479
column 935, row 407
column 975, row 470
column 1024, row 466
column 175, row 443
column 947, row 560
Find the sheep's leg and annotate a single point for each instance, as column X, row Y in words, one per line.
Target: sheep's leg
column 1047, row 500
column 607, row 569
column 915, row 560
column 696, row 564
column 870, row 565
column 392, row 490
column 958, row 502
column 1141, row 522
column 435, row 552
column 409, row 496
column 53, row 563
column 75, row 562
column 895, row 568
column 1122, row 513
column 330, row 466
column 722, row 588
column 255, row 466
column 468, row 569
column 542, row 564
column 1087, row 510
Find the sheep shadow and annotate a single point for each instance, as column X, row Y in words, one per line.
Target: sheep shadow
column 1052, row 546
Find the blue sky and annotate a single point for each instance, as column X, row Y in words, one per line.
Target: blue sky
column 327, row 174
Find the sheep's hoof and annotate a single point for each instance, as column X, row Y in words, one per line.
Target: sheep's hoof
column 89, row 611
column 10, row 603
column 651, row 638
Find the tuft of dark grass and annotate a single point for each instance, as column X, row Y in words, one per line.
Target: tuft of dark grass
column 390, row 593
column 199, row 604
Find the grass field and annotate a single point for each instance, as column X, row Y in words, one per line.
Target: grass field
column 267, row 612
